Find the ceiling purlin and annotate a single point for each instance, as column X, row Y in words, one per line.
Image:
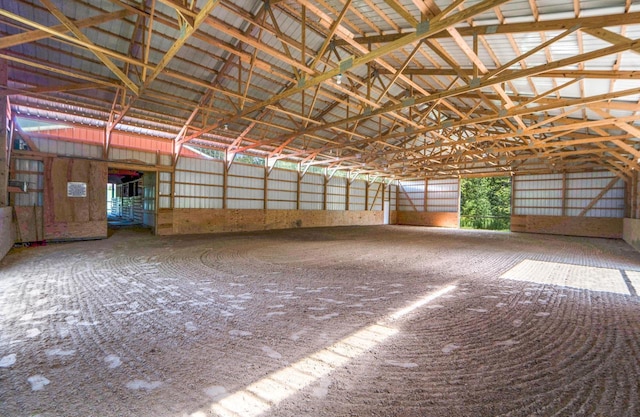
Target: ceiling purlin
column 38, row 34
column 552, row 25
column 362, row 60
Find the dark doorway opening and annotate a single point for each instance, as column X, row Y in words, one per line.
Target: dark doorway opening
column 131, row 198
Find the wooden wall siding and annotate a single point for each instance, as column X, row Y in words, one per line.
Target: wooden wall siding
column 192, row 221
column 7, row 230
column 75, row 217
column 28, row 206
column 29, row 224
column 443, row 219
column 605, row 227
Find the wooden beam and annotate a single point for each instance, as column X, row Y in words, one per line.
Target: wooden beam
column 92, row 47
column 354, row 62
column 4, row 139
column 511, row 28
column 36, row 35
column 182, row 39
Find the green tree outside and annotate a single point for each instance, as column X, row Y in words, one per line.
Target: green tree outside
column 485, row 203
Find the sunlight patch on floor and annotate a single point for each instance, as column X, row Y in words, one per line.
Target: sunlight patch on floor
column 568, row 275
column 259, row 397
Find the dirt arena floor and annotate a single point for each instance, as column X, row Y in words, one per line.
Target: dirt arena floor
column 357, row 321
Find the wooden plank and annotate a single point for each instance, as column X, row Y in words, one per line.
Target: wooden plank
column 572, row 226
column 4, row 139
column 74, row 217
column 434, row 219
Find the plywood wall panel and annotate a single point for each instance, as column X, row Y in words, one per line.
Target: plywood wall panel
column 75, row 217
column 442, row 219
column 570, row 226
column 192, row 221
column 7, row 230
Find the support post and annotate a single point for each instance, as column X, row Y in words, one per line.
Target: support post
column 4, row 138
column 366, row 194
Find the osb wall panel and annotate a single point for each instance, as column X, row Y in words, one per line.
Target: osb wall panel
column 631, row 232
column 188, row 221
column 29, row 227
column 420, row 218
column 7, row 234
column 569, row 225
column 393, row 217
column 75, row 217
column 165, row 222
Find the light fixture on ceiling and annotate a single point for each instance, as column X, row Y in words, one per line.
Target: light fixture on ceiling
column 339, row 78
column 226, row 126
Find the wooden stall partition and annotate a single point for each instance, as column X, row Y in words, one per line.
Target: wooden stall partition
column 75, row 200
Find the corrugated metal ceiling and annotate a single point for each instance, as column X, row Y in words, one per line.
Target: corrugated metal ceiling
column 243, row 63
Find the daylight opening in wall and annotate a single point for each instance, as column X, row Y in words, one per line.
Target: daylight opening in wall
column 485, row 203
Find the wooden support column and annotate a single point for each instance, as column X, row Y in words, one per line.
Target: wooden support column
column 225, row 181
column 347, row 191
column 265, row 188
column 4, row 139
column 324, row 192
column 426, row 189
column 513, row 195
column 366, row 195
column 298, row 190
column 634, row 195
column 564, row 194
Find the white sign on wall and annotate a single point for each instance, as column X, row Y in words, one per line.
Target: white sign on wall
column 76, row 189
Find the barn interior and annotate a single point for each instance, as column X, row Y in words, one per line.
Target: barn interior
column 259, row 207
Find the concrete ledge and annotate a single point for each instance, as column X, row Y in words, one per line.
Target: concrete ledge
column 421, row 218
column 569, row 226
column 192, row 221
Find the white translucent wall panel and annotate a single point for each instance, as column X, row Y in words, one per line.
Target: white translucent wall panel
column 118, row 154
column 539, row 195
column 311, row 190
column 199, row 178
column 337, row 193
column 190, row 202
column 392, row 193
column 245, row 182
column 357, row 195
column 443, row 195
column 244, row 204
column 213, row 166
column 283, row 175
column 411, row 195
column 245, row 187
column 281, row 205
column 375, row 196
column 164, row 190
column 282, row 189
column 165, row 160
column 247, row 171
column 164, row 202
column 245, row 194
column 59, row 147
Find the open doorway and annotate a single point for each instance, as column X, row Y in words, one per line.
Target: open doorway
column 131, row 198
column 485, row 203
